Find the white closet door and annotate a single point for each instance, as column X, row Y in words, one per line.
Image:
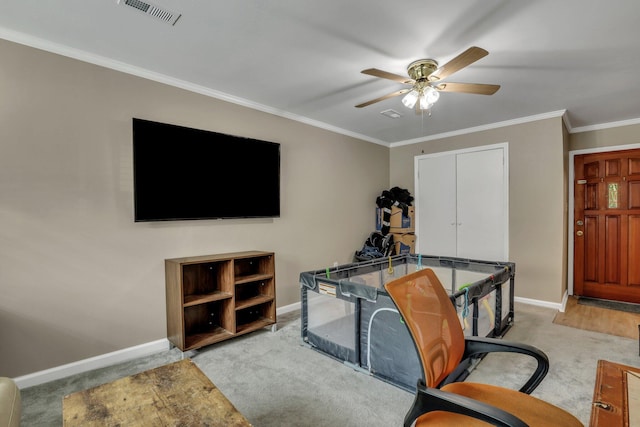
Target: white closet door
column 462, row 203
column 480, row 205
column 436, row 205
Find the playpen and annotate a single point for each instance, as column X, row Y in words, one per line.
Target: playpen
column 346, row 313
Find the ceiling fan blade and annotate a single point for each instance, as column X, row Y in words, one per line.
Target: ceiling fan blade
column 382, row 98
column 477, row 88
column 387, row 75
column 466, row 58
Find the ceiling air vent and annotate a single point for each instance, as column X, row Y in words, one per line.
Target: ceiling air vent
column 392, row 114
column 163, row 15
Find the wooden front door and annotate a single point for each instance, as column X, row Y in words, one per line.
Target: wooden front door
column 607, row 225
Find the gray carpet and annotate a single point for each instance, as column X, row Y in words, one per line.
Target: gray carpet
column 611, row 305
column 275, row 381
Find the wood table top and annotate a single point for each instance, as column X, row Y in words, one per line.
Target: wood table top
column 177, row 394
column 616, row 396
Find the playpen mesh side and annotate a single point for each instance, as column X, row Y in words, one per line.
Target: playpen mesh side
column 386, row 347
column 331, row 326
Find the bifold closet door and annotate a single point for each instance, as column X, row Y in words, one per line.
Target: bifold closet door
column 436, row 205
column 480, row 205
column 461, row 204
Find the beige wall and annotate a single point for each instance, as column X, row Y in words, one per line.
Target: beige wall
column 78, row 277
column 537, row 196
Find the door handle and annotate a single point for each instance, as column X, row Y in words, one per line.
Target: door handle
column 579, row 233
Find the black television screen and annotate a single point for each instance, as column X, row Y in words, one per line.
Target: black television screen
column 180, row 173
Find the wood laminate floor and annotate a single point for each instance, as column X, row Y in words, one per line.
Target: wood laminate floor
column 613, row 322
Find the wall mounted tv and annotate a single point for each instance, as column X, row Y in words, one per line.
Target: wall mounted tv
column 180, row 173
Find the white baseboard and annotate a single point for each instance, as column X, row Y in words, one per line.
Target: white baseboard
column 108, row 359
column 539, row 303
column 288, row 308
column 92, row 363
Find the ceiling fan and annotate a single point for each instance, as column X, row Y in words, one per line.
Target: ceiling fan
column 425, row 78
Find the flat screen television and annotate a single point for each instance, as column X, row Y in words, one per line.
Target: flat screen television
column 181, row 173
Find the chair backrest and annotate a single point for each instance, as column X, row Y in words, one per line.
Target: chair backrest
column 432, row 321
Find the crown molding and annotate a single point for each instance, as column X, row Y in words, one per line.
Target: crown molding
column 606, row 125
column 560, row 113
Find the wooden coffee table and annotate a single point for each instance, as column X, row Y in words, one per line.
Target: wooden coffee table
column 177, row 394
column 616, row 396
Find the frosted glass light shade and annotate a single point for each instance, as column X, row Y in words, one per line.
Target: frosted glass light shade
column 432, row 95
column 424, row 103
column 410, row 99
column 427, row 96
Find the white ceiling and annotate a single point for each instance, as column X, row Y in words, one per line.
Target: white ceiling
column 302, row 58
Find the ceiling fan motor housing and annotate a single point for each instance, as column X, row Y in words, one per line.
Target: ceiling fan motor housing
column 422, row 69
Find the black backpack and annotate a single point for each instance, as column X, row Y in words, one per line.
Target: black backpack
column 377, row 245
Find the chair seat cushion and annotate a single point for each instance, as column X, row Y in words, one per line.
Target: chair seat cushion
column 533, row 411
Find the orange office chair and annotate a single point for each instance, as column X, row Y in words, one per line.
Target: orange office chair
column 442, row 348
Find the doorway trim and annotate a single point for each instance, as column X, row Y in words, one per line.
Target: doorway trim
column 571, row 219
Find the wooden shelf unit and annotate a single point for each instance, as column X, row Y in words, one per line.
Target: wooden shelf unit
column 212, row 298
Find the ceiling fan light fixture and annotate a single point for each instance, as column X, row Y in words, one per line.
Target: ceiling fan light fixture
column 424, row 103
column 426, row 96
column 411, row 98
column 431, row 95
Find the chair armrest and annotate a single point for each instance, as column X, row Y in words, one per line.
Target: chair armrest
column 10, row 403
column 432, row 399
column 477, row 346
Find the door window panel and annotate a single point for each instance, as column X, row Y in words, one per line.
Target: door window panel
column 612, row 195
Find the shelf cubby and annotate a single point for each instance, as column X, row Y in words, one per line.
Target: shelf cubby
column 203, row 282
column 255, row 317
column 249, row 293
column 206, row 322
